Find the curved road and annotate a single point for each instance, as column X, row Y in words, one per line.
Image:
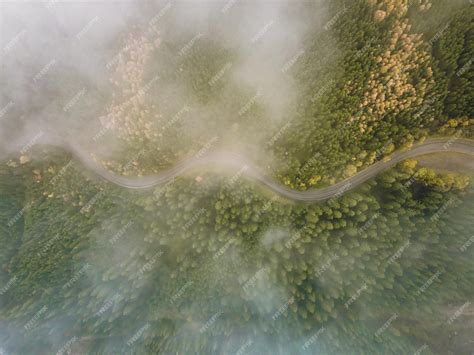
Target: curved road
column 246, row 168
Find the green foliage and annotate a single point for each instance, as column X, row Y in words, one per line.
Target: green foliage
column 454, row 51
column 209, row 265
column 258, row 267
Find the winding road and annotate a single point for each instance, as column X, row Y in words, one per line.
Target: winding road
column 246, row 168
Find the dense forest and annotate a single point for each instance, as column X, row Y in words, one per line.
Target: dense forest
column 393, row 85
column 375, row 77
column 202, row 267
column 215, row 263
